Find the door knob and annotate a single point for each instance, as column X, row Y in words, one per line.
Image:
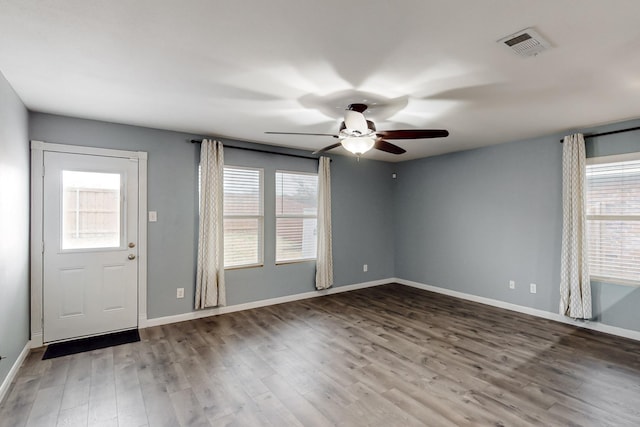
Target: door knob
column 131, row 256
column 132, row 245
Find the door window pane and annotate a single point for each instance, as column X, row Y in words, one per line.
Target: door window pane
column 91, row 210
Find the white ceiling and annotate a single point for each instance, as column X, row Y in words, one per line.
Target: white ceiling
column 239, row 68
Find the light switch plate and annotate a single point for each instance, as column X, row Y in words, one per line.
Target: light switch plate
column 153, row 216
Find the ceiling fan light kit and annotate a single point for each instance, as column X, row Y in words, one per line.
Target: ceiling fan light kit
column 358, row 145
column 358, row 135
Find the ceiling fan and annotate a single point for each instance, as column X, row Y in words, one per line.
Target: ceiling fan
column 359, row 135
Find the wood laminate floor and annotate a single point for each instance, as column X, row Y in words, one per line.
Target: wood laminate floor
column 384, row 356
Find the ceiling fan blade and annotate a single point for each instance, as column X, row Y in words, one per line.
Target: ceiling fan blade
column 388, row 147
column 360, row 108
column 413, row 133
column 300, row 133
column 355, row 121
column 330, row 147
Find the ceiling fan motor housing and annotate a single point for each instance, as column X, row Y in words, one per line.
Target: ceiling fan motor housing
column 360, row 108
column 370, row 125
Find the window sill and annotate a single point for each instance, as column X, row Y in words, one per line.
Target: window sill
column 612, row 281
column 242, row 267
column 295, row 261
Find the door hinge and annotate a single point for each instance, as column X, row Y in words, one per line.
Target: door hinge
column 43, row 171
column 43, row 246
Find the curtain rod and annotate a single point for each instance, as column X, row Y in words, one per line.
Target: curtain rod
column 257, row 150
column 608, row 133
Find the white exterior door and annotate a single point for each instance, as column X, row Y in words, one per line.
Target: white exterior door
column 90, row 235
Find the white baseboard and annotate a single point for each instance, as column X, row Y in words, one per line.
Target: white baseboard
column 147, row 323
column 596, row 326
column 4, row 388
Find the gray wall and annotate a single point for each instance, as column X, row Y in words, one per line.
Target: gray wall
column 471, row 221
column 361, row 213
column 468, row 221
column 14, row 227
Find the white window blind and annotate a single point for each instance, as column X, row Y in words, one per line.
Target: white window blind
column 613, row 220
column 243, row 217
column 296, row 216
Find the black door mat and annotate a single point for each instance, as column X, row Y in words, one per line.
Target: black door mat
column 93, row 343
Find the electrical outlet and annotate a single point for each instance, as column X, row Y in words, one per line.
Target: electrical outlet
column 532, row 288
column 180, row 293
column 365, row 268
column 512, row 284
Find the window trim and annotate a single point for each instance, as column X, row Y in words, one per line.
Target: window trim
column 601, row 160
column 275, row 243
column 614, row 158
column 260, row 218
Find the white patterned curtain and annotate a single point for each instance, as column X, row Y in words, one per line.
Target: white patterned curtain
column 324, row 263
column 210, row 291
column 575, row 287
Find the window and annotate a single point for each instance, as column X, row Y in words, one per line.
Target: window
column 613, row 218
column 91, row 210
column 296, row 216
column 243, row 217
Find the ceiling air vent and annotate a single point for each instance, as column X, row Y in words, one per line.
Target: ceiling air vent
column 526, row 42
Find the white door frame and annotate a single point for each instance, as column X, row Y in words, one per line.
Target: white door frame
column 37, row 209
